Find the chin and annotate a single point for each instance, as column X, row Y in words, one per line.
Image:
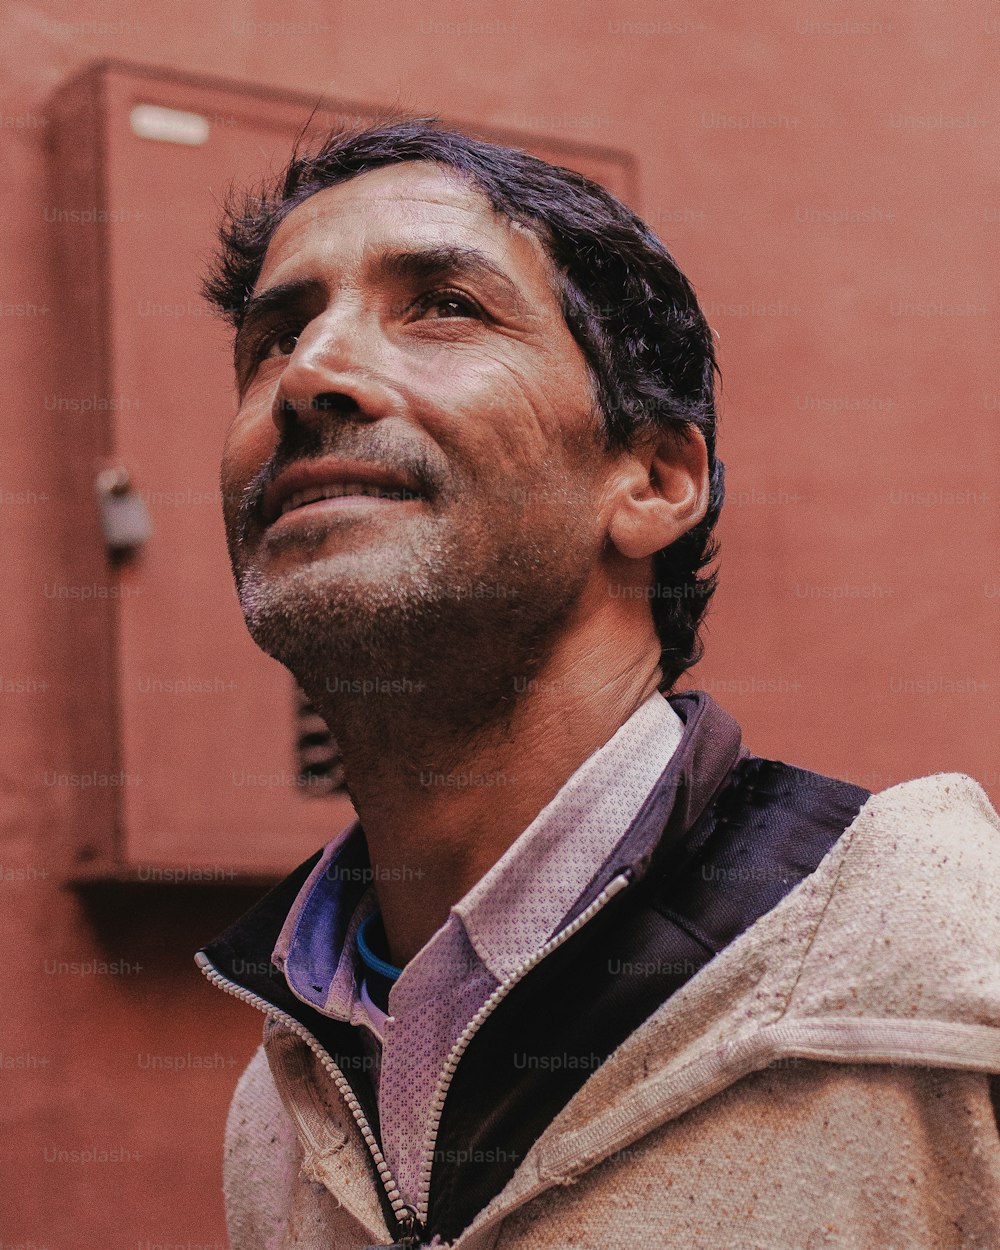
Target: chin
column 333, row 612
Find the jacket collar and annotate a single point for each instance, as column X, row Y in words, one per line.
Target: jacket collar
column 708, row 749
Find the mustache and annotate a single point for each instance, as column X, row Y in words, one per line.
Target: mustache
column 366, row 444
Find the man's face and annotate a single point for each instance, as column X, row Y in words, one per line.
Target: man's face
column 406, row 341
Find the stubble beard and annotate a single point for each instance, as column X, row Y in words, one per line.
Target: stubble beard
column 446, row 639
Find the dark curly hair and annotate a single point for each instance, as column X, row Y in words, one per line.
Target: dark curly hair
column 635, row 316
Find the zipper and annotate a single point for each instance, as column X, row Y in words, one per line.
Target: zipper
column 476, row 1023
column 412, row 1223
column 405, row 1215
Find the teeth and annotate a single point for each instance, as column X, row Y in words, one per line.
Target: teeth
column 335, row 490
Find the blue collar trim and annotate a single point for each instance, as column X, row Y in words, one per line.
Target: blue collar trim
column 370, row 960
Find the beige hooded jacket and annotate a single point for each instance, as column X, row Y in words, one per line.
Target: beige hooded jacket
column 823, row 1083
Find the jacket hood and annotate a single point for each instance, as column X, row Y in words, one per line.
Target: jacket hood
column 889, row 953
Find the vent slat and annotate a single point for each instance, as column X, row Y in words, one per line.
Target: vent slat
column 320, row 767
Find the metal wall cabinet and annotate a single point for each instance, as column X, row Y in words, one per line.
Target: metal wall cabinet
column 193, row 756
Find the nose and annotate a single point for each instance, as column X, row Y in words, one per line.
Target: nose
column 290, row 411
column 331, row 371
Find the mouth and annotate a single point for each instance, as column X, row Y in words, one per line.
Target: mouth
column 326, row 485
column 345, row 491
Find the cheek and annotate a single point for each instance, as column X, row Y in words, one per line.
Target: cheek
column 249, row 443
column 510, row 421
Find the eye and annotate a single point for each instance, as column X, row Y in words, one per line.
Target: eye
column 284, row 338
column 446, row 304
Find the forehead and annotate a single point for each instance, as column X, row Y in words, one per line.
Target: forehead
column 416, row 202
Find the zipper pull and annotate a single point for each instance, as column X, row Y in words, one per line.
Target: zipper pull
column 410, row 1227
column 410, row 1230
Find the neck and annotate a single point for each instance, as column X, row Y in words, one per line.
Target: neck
column 442, row 794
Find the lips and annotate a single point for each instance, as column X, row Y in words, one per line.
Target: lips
column 309, row 480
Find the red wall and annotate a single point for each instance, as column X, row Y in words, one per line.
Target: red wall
column 830, row 185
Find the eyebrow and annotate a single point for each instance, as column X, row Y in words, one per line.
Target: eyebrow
column 447, row 260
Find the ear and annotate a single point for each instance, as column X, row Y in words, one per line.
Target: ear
column 659, row 493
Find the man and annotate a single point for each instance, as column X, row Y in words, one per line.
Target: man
column 585, row 972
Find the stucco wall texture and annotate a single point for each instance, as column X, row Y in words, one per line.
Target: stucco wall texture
column 828, row 179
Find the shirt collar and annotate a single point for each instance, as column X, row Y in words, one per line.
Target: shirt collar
column 518, row 904
column 524, row 898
